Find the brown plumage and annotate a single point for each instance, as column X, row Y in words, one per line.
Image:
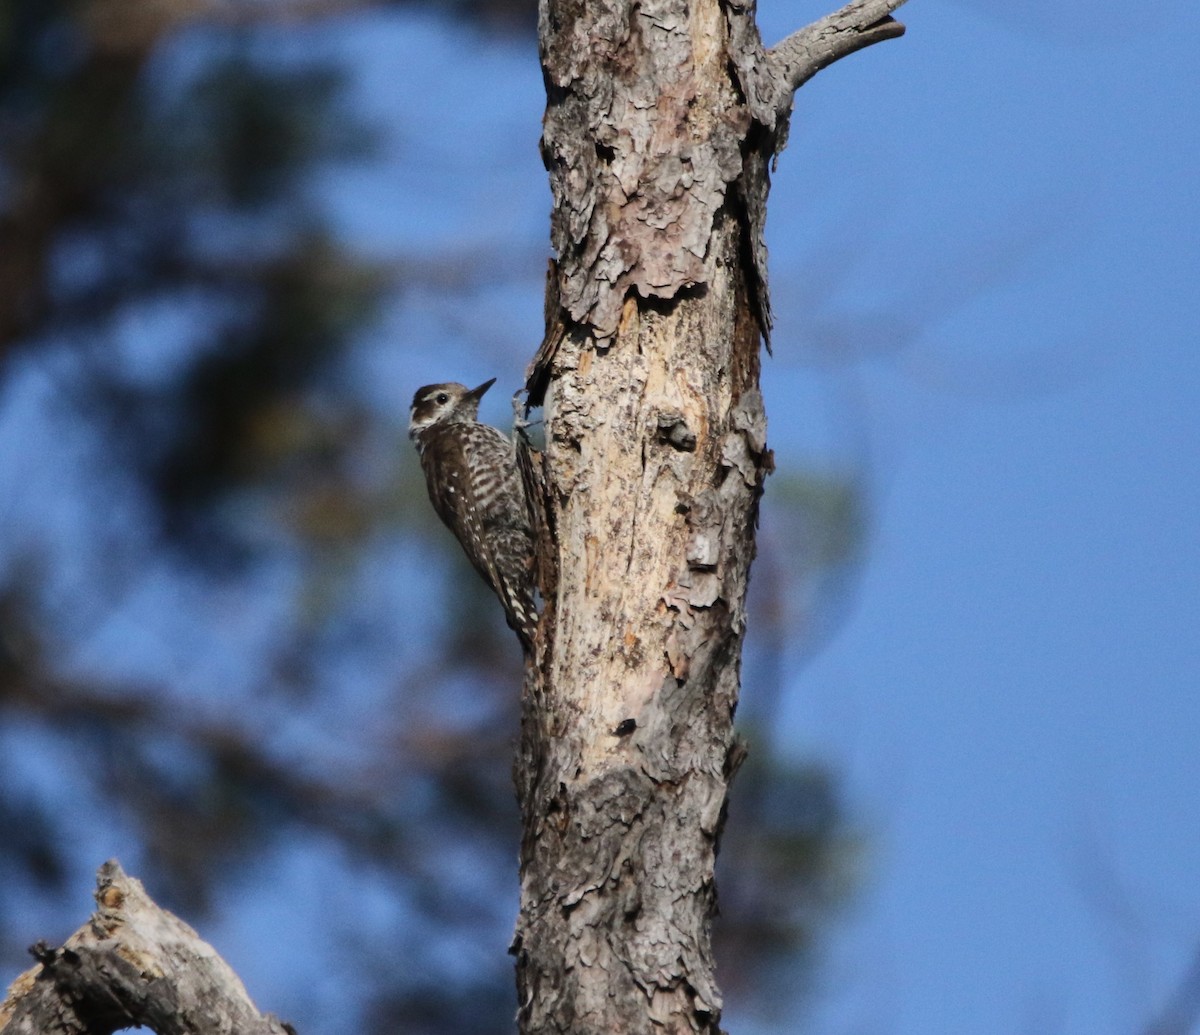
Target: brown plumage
column 475, row 487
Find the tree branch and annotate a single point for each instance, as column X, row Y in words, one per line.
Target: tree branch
column 132, row 963
column 804, row 53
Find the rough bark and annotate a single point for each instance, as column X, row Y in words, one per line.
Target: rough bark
column 131, row 964
column 662, row 119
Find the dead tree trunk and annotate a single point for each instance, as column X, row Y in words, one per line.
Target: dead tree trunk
column 132, row 963
column 662, row 119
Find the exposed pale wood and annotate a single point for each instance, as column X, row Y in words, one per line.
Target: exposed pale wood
column 132, row 963
column 662, row 120
column 803, row 54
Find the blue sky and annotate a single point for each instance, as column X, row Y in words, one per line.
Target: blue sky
column 984, row 252
column 1013, row 696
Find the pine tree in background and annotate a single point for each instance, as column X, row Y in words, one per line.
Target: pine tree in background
column 179, row 317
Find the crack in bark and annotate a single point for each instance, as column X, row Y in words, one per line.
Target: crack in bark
column 131, row 964
column 662, row 120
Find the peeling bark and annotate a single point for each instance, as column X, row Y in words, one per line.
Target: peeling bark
column 132, row 963
column 662, row 119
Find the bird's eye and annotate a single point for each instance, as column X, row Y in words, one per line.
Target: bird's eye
column 442, row 398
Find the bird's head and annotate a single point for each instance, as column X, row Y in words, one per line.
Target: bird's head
column 449, row 403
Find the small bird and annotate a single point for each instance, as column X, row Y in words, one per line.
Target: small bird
column 476, row 488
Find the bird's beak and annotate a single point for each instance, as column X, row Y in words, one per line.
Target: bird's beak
column 477, row 393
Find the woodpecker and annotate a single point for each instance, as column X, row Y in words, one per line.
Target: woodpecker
column 476, row 488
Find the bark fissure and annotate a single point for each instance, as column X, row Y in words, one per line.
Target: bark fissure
column 132, row 963
column 663, row 117
column 663, row 120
